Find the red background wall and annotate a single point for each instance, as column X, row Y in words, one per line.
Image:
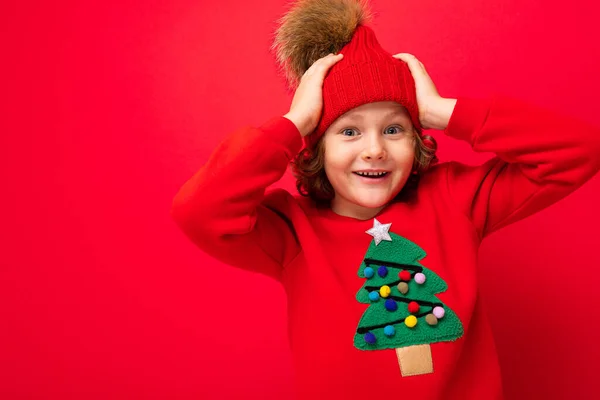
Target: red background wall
column 108, row 107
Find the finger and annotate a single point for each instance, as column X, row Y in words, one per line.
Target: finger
column 329, row 61
column 406, row 57
column 409, row 59
column 319, row 61
column 322, row 65
column 416, row 67
column 312, row 66
column 329, row 56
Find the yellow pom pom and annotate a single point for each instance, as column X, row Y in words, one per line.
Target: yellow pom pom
column 410, row 321
column 385, row 291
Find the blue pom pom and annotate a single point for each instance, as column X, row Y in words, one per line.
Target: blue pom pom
column 369, row 272
column 382, row 271
column 391, row 305
column 370, row 338
column 389, row 330
column 374, row 295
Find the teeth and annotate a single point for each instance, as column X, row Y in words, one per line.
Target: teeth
column 371, row 173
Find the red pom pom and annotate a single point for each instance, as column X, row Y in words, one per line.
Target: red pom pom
column 413, row 307
column 404, row 275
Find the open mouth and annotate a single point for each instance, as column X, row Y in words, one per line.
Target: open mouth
column 372, row 175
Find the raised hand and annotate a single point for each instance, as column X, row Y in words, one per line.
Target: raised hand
column 307, row 104
column 434, row 110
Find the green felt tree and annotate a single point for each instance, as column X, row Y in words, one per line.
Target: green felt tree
column 403, row 313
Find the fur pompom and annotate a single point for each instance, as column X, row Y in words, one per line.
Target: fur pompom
column 312, row 29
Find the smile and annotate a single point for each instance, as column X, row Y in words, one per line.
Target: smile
column 371, row 174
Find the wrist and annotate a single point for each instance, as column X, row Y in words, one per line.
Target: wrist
column 438, row 115
column 302, row 126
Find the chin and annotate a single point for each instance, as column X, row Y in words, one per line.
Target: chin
column 373, row 201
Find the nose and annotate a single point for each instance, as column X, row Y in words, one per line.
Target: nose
column 374, row 147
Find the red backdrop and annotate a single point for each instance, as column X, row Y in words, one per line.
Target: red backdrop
column 108, row 107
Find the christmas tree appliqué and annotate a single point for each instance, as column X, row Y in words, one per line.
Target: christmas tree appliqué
column 403, row 313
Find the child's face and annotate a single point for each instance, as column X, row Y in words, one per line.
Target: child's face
column 376, row 136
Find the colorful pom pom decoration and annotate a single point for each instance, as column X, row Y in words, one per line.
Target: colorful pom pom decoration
column 410, row 321
column 404, row 275
column 391, row 305
column 369, row 272
column 413, row 307
column 370, row 338
column 431, row 319
column 382, row 271
column 389, row 330
column 420, row 278
column 439, row 312
column 373, row 296
column 403, row 287
column 385, row 291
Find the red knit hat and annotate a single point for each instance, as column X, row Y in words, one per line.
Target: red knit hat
column 367, row 73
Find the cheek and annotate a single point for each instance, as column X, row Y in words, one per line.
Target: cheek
column 405, row 155
column 336, row 173
column 408, row 161
column 335, row 165
column 338, row 161
column 337, row 169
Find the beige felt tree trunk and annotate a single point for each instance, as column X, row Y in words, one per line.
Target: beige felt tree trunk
column 415, row 360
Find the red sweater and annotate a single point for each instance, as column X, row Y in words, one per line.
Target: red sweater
column 321, row 258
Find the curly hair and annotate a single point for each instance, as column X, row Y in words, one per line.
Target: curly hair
column 308, row 167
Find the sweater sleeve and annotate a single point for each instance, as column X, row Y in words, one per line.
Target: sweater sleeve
column 222, row 208
column 541, row 157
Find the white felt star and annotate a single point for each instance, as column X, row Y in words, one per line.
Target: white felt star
column 380, row 232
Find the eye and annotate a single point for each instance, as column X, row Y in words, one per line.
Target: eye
column 394, row 129
column 348, row 132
